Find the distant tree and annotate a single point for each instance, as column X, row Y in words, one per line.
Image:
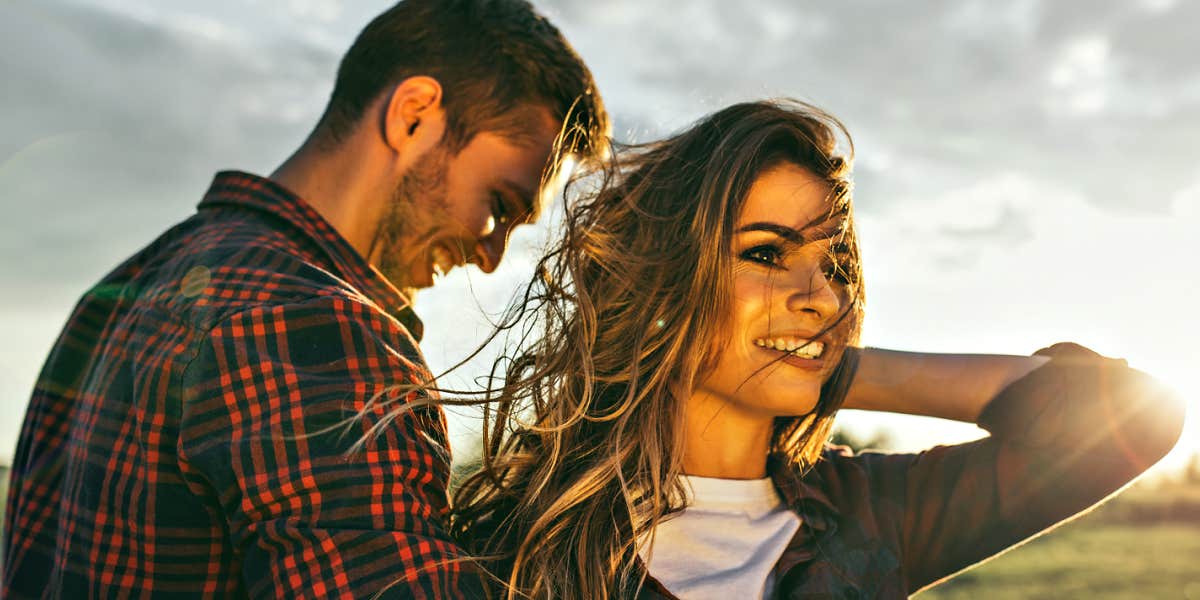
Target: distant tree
column 1192, row 473
column 461, row 469
column 877, row 440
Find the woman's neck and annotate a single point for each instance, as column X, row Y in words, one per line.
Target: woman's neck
column 724, row 441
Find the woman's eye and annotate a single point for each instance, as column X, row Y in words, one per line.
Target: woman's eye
column 837, row 271
column 763, row 255
column 837, row 263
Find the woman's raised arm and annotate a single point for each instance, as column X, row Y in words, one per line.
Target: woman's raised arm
column 947, row 386
column 1068, row 427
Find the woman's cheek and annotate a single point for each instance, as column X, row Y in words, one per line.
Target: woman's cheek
column 751, row 291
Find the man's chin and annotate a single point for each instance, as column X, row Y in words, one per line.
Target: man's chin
column 419, row 282
column 407, row 278
column 422, row 278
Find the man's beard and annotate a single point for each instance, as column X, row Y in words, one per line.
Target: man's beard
column 417, row 207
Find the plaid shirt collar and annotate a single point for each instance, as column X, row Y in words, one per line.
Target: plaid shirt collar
column 797, row 489
column 805, row 494
column 247, row 191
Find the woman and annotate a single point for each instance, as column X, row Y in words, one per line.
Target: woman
column 664, row 434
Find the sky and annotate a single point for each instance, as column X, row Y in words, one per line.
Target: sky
column 1027, row 171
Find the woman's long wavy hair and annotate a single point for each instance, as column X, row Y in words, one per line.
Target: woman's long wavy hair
column 583, row 437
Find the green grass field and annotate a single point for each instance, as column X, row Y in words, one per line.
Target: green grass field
column 1144, row 544
column 1082, row 560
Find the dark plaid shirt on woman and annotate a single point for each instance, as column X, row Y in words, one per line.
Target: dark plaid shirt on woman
column 884, row 526
column 188, row 434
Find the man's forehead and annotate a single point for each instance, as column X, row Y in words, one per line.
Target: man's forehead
column 557, row 166
column 554, row 181
column 533, row 127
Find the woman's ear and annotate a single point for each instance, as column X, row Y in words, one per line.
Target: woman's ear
column 414, row 120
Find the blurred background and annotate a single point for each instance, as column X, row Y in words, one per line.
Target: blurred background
column 1028, row 172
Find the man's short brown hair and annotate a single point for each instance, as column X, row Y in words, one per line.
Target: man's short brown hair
column 493, row 58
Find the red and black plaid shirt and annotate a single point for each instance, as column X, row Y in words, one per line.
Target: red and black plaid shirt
column 183, row 438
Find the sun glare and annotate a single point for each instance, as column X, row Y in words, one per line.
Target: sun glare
column 1184, row 384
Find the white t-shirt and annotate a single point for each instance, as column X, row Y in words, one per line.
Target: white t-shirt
column 724, row 545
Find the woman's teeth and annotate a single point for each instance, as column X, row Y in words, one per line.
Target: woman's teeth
column 793, row 346
column 443, row 261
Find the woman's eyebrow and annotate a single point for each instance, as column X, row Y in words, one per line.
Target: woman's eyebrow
column 821, row 231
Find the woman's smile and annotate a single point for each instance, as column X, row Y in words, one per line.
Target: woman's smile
column 803, row 347
column 801, row 355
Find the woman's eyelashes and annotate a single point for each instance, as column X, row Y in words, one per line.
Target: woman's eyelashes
column 767, row 255
column 835, row 260
column 838, row 265
column 836, row 271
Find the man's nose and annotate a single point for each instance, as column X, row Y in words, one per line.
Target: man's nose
column 814, row 295
column 490, row 249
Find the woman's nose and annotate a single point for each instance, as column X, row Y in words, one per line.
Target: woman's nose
column 814, row 295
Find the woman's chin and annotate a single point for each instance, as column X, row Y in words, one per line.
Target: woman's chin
column 797, row 399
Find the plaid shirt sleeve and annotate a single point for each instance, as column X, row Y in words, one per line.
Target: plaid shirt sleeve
column 1062, row 439
column 264, row 431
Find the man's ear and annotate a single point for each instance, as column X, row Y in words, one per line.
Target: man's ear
column 414, row 120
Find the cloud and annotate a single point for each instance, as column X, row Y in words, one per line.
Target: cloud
column 1100, row 96
column 326, row 11
column 1080, row 74
column 116, row 123
column 1185, row 204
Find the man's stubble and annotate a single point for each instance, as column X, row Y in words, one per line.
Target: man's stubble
column 417, row 209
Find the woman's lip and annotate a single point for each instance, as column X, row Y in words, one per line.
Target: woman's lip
column 807, row 364
column 800, row 335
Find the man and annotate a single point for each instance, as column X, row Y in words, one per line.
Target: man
column 193, row 431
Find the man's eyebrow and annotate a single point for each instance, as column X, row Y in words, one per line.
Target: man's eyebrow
column 820, row 231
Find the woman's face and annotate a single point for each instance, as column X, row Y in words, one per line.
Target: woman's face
column 786, row 292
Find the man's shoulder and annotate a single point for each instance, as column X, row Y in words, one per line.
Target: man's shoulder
column 211, row 268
